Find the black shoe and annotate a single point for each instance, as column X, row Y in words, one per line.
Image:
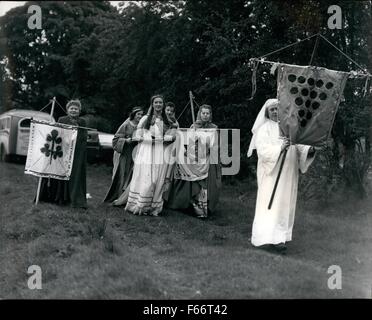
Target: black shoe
column 273, row 248
column 280, row 247
column 202, row 217
column 266, row 247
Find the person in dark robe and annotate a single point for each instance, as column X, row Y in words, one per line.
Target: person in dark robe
column 73, row 191
column 202, row 195
column 123, row 145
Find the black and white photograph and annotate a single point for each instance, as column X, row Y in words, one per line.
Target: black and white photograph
column 202, row 151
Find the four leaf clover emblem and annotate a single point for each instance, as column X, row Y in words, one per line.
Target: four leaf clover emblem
column 52, row 146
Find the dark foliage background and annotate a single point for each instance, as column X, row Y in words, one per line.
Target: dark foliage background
column 116, row 59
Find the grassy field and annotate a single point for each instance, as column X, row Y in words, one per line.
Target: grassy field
column 103, row 253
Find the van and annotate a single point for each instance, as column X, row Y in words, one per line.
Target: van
column 15, row 132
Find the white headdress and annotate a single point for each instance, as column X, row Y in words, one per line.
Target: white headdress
column 260, row 120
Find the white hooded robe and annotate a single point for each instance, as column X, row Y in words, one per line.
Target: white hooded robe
column 275, row 225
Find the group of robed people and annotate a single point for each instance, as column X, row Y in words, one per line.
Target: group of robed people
column 144, row 181
column 143, row 177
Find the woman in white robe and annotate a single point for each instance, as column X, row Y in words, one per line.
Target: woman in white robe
column 146, row 188
column 274, row 226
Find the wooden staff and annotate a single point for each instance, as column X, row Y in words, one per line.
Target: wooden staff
column 38, row 192
column 68, row 125
column 280, row 169
column 192, row 107
column 85, row 128
column 52, row 110
column 40, row 178
column 277, row 178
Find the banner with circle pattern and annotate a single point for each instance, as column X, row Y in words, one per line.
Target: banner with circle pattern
column 308, row 101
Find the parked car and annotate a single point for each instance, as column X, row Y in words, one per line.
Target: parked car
column 93, row 146
column 105, row 141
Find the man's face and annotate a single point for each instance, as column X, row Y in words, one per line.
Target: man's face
column 273, row 113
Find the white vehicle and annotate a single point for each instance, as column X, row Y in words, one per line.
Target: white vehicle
column 15, row 131
column 105, row 141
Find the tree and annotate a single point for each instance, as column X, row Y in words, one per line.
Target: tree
column 49, row 62
column 115, row 60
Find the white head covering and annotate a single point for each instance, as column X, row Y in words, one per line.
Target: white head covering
column 260, row 120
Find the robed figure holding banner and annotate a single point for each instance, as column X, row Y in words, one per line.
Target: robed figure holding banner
column 274, row 226
column 196, row 179
column 284, row 134
column 57, row 153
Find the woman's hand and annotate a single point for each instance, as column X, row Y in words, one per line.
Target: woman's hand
column 285, row 144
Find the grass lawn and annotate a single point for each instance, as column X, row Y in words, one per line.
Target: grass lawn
column 103, row 253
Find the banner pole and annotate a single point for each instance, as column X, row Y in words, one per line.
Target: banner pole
column 314, row 50
column 52, row 110
column 38, row 192
column 277, row 179
column 284, row 152
column 40, row 178
column 192, row 108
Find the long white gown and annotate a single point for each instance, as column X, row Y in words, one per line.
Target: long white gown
column 146, row 188
column 275, row 225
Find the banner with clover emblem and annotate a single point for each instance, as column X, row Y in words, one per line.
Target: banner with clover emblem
column 308, row 102
column 51, row 150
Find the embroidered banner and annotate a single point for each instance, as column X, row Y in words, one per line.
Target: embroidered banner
column 194, row 149
column 51, row 150
column 308, row 102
